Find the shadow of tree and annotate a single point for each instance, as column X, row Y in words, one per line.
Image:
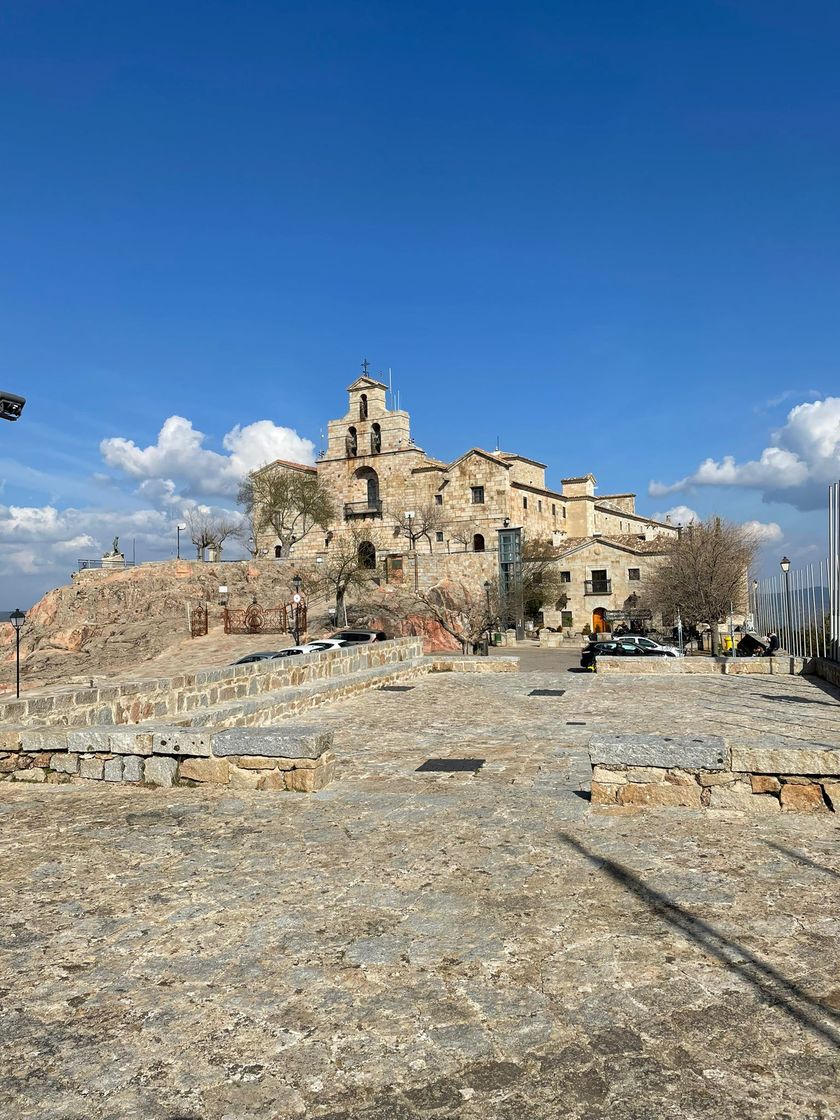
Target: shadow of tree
column 775, row 987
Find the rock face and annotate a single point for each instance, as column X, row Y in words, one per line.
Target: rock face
column 106, row 621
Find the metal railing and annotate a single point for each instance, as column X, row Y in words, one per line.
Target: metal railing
column 85, row 564
column 597, row 587
column 802, row 605
column 796, row 606
column 359, row 509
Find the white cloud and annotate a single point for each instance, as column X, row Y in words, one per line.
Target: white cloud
column 765, row 532
column 179, row 457
column 678, row 515
column 803, row 457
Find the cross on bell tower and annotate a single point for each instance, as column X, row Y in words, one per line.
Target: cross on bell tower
column 365, row 367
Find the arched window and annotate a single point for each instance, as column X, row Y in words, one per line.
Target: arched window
column 369, row 480
column 478, row 543
column 351, row 443
column 278, row 551
column 363, row 407
column 367, row 555
column 375, row 439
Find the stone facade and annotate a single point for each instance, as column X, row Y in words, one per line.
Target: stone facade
column 377, row 476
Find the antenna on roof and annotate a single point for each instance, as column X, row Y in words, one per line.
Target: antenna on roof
column 390, row 388
column 321, row 448
column 497, row 444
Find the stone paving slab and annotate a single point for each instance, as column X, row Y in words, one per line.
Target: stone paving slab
column 405, row 946
column 686, row 752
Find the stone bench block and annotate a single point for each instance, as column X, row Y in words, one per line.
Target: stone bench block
column 292, row 741
column 701, row 752
column 39, row 739
column 787, row 758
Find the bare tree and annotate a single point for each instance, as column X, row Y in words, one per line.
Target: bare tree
column 341, row 570
column 703, row 571
column 210, row 530
column 291, row 502
column 457, row 608
column 420, row 522
column 464, row 533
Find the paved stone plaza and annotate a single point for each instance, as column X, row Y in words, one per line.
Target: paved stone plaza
column 409, row 945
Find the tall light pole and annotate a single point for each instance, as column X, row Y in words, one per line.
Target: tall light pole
column 487, row 586
column 784, row 564
column 16, row 618
column 180, row 529
column 296, row 600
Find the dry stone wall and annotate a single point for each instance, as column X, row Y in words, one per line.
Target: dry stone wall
column 656, row 772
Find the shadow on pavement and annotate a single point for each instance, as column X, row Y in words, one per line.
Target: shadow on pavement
column 776, row 988
column 798, row 857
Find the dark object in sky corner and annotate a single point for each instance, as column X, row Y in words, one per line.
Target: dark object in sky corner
column 11, row 405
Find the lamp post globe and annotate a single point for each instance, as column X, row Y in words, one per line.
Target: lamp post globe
column 17, row 619
column 784, row 564
column 296, row 583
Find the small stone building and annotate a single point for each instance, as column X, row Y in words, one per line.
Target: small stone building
column 441, row 519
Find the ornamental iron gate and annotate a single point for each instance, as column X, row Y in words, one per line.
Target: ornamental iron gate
column 255, row 619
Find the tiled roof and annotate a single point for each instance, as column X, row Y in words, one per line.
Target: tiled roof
column 618, row 540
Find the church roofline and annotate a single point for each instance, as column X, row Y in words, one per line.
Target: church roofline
column 579, row 478
column 366, row 381
column 289, row 464
column 522, row 458
column 484, row 454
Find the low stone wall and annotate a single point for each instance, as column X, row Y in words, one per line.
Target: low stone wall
column 457, row 663
column 728, row 666
column 653, row 771
column 296, row 758
column 827, row 670
column 162, row 698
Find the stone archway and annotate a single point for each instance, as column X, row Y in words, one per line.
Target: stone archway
column 367, row 554
column 599, row 622
column 478, row 543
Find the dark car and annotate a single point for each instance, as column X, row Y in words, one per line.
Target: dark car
column 357, row 637
column 589, row 655
column 250, row 658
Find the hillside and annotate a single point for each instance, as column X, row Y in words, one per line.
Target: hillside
column 105, row 623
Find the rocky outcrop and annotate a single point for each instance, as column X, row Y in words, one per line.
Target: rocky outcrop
column 105, row 622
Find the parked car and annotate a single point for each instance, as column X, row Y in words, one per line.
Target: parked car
column 320, row 645
column 250, row 658
column 621, row 648
column 357, row 637
column 650, row 645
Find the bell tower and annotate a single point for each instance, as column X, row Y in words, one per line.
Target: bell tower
column 369, row 428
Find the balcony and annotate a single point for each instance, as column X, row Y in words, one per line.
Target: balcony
column 598, row 587
column 362, row 509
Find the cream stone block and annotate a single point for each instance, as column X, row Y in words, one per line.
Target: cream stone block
column 214, row 770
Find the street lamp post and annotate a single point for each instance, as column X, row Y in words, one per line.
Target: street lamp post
column 784, row 564
column 296, row 600
column 487, row 586
column 179, row 529
column 16, row 618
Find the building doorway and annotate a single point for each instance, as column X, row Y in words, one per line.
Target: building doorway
column 599, row 622
column 478, row 543
column 367, row 555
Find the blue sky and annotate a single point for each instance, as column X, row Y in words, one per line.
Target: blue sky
column 607, row 234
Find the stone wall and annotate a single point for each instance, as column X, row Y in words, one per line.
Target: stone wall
column 728, row 666
column 704, row 772
column 294, row 758
column 179, row 696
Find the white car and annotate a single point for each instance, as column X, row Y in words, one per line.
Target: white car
column 648, row 644
column 321, row 645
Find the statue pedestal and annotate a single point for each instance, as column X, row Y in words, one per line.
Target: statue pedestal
column 113, row 560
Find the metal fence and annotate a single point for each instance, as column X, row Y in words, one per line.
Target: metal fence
column 802, row 605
